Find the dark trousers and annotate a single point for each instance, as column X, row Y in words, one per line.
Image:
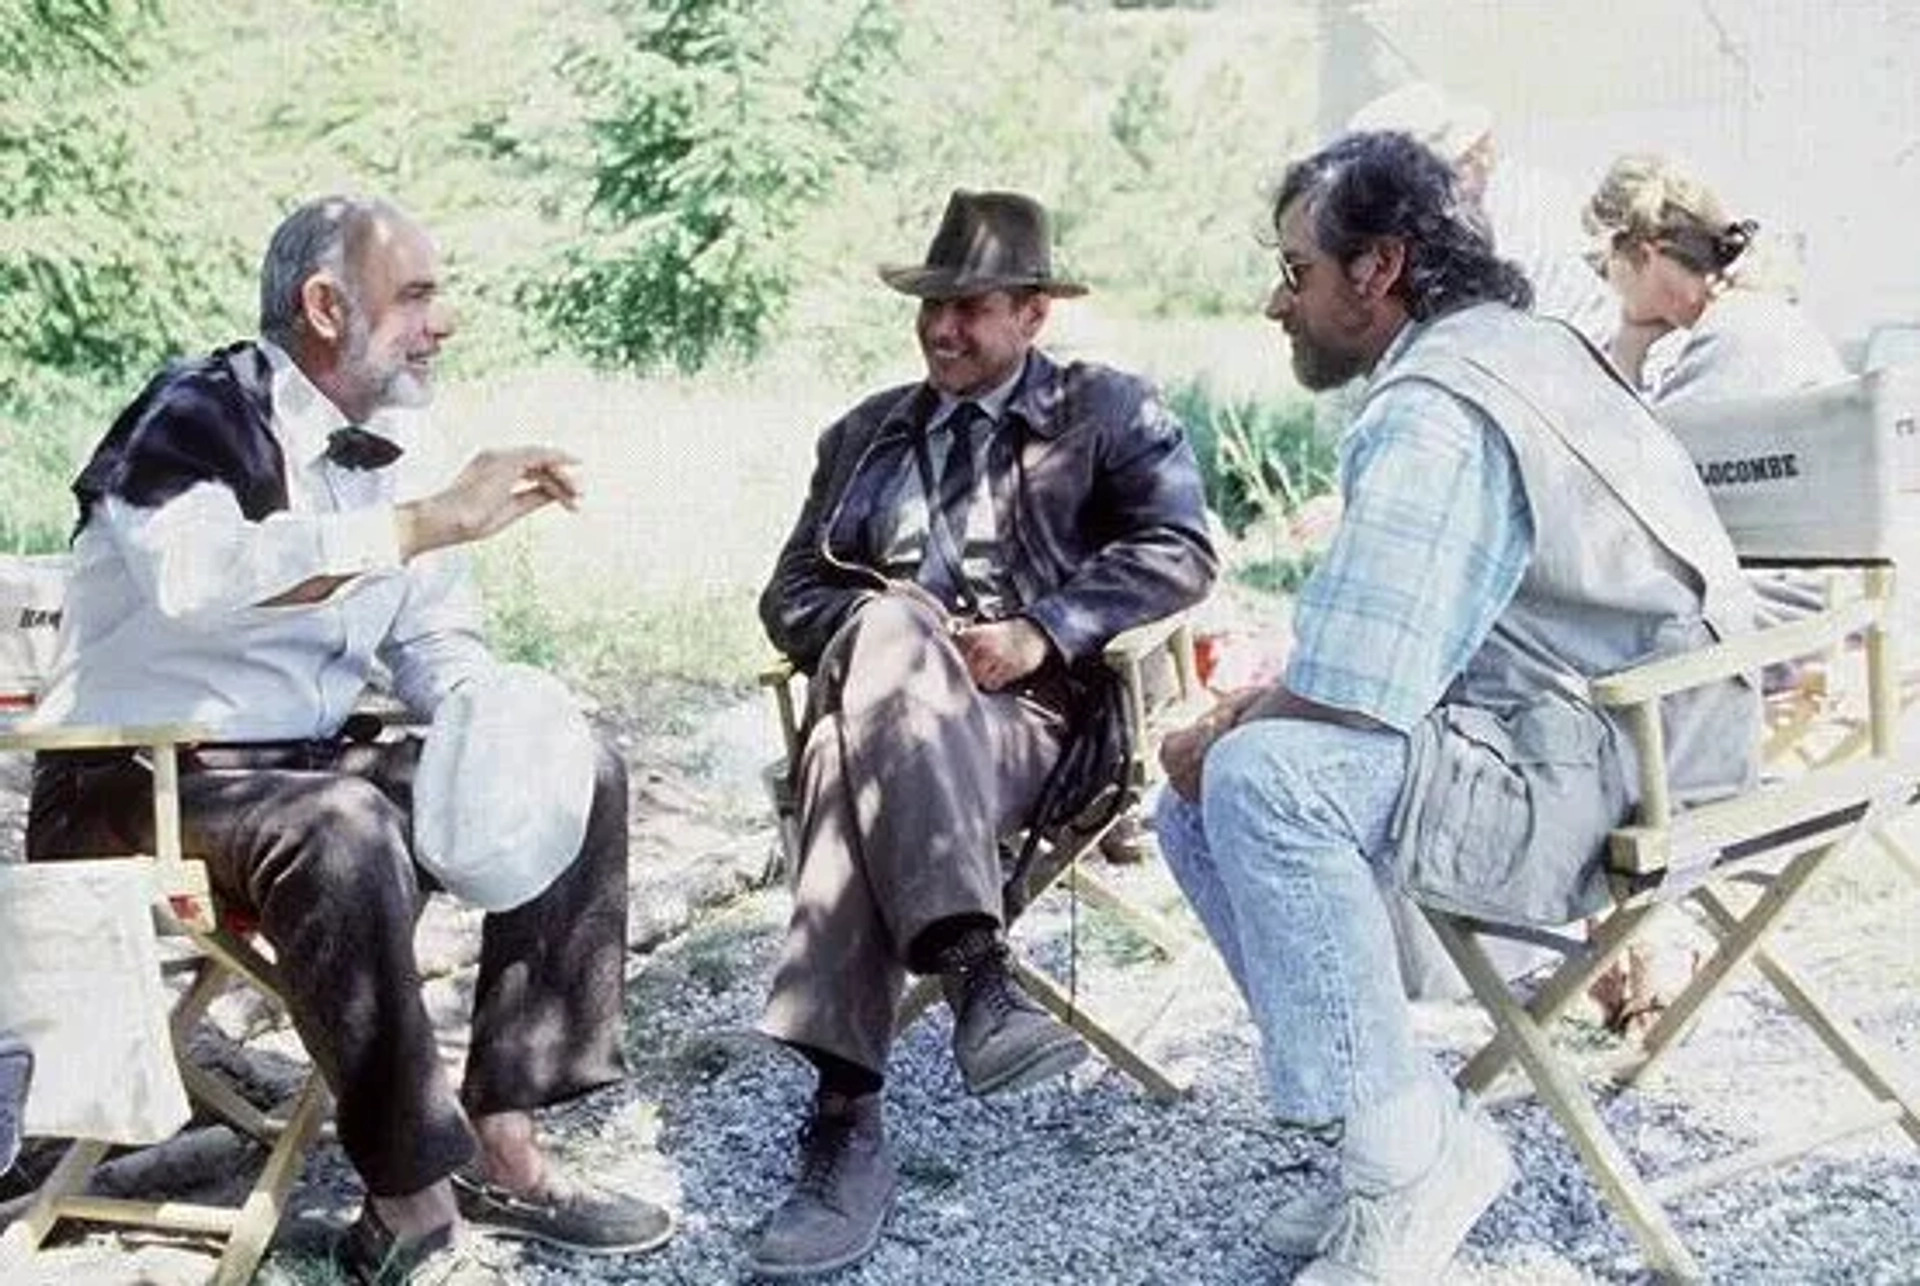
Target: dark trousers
column 314, row 840
column 908, row 777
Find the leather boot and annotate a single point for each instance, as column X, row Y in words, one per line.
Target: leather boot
column 839, row 1202
column 1002, row 1040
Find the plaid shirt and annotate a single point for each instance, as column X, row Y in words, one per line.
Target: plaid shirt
column 1433, row 542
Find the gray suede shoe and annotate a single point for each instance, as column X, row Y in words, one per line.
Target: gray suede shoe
column 1002, row 1040
column 571, row 1214
column 840, row 1200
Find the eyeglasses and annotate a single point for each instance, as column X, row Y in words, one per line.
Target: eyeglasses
column 1292, row 271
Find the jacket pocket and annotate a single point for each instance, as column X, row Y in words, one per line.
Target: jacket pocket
column 1505, row 817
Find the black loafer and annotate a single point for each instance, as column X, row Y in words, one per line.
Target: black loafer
column 578, row 1216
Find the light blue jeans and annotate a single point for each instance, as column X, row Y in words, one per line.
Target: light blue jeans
column 1278, row 862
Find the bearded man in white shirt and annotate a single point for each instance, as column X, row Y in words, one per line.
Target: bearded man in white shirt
column 246, row 552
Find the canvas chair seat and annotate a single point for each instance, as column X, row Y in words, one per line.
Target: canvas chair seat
column 1155, row 666
column 1739, row 865
column 220, row 953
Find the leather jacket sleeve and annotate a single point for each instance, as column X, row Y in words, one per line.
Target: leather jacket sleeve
column 810, row 595
column 1148, row 550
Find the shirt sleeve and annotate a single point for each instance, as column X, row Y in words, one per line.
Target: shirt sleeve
column 438, row 638
column 1435, row 537
column 198, row 558
column 437, row 641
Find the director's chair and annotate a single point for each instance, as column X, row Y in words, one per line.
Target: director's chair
column 1738, row 865
column 1154, row 666
column 218, row 953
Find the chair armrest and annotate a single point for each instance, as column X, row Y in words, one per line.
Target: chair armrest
column 1719, row 661
column 1133, row 645
column 103, row 736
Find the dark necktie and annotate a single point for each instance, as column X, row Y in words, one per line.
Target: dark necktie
column 957, row 475
column 355, row 448
column 942, row 568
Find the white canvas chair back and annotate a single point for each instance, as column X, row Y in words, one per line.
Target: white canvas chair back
column 31, row 589
column 1827, row 475
column 80, row 978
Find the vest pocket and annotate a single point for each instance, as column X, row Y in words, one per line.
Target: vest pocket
column 1505, row 817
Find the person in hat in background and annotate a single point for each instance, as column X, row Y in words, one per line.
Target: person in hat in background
column 257, row 529
column 968, row 545
column 1532, row 216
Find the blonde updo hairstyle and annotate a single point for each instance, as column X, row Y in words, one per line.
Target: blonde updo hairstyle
column 1648, row 200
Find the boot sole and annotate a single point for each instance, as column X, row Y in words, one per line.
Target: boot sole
column 1043, row 1064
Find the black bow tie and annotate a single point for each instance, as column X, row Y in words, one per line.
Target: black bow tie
column 355, row 448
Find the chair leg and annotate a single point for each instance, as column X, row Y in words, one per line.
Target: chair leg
column 1736, row 946
column 1609, row 1164
column 1158, row 1082
column 259, row 1216
column 67, row 1179
column 1567, row 984
column 1869, row 1065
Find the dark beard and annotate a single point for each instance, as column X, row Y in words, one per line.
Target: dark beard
column 1319, row 368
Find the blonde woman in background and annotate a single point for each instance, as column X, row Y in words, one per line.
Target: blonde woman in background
column 1680, row 262
column 1684, row 270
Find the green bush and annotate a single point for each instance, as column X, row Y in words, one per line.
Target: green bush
column 718, row 129
column 1257, row 459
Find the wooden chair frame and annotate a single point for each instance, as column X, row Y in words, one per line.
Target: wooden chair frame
column 183, row 906
column 1780, row 838
column 1057, row 863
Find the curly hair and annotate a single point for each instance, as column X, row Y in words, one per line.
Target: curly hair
column 1370, row 185
column 1649, row 200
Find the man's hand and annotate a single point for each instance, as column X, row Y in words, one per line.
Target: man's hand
column 1002, row 653
column 494, row 491
column 1183, row 753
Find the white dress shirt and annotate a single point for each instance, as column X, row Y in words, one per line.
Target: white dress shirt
column 163, row 614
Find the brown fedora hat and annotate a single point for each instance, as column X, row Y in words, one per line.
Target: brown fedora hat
column 987, row 241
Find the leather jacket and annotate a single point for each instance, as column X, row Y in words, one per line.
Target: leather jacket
column 1102, row 518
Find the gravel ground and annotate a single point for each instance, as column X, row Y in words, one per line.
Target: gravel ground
column 1089, row 1181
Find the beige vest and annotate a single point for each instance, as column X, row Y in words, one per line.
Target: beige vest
column 1515, row 779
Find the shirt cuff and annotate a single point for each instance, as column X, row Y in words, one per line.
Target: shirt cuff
column 364, row 540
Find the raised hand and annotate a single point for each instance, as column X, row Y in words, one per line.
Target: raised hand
column 495, row 490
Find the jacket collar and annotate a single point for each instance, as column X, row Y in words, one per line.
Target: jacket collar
column 1036, row 398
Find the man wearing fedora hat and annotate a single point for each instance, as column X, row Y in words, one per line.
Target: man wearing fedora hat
column 968, row 545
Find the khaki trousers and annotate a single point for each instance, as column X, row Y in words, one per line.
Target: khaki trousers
column 908, row 777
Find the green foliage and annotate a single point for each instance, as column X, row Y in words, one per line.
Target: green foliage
column 1282, row 573
column 719, row 128
column 1258, row 460
column 95, row 268
column 748, row 163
